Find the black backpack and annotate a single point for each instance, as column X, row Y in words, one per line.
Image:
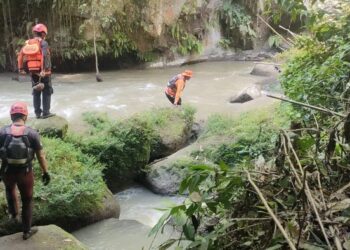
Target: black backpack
column 16, row 150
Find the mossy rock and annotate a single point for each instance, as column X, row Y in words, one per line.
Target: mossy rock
column 55, row 126
column 127, row 146
column 171, row 127
column 47, row 238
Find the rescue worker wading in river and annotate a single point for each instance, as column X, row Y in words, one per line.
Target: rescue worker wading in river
column 18, row 145
column 176, row 86
column 35, row 58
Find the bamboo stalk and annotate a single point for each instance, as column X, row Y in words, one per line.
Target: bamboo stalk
column 269, row 210
column 307, row 105
column 307, row 190
column 278, row 34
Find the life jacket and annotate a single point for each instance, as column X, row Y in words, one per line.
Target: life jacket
column 33, row 55
column 172, row 82
column 16, row 150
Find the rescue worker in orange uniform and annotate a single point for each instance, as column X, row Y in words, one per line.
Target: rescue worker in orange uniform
column 36, row 56
column 18, row 145
column 176, row 86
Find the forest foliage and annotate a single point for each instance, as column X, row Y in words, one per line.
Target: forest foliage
column 298, row 197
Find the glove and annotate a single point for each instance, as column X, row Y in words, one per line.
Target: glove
column 46, row 178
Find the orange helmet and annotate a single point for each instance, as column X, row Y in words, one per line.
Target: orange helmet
column 187, row 73
column 19, row 108
column 40, row 28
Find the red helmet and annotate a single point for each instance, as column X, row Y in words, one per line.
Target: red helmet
column 19, row 108
column 40, row 28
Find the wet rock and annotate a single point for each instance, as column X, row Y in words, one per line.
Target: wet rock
column 242, row 98
column 262, row 69
column 47, row 238
column 164, row 176
column 246, row 95
column 55, row 126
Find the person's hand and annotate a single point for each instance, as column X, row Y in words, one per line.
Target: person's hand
column 21, row 72
column 42, row 73
column 46, row 178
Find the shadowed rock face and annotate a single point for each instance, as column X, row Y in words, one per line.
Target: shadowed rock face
column 47, row 238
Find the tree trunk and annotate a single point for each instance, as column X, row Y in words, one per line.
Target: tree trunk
column 93, row 10
column 12, row 49
column 6, row 31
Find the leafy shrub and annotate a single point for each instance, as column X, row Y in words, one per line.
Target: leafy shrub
column 76, row 188
column 237, row 141
column 317, row 72
column 236, row 24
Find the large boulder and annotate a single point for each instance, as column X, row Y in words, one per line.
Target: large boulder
column 55, row 126
column 164, row 176
column 109, row 208
column 127, row 146
column 47, row 238
column 172, row 130
column 266, row 69
column 246, row 95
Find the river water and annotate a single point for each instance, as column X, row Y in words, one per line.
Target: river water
column 122, row 94
column 126, row 92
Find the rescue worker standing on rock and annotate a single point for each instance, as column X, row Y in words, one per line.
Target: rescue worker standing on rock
column 35, row 57
column 176, row 86
column 18, row 145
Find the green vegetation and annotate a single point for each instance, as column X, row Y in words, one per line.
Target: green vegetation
column 236, row 25
column 77, row 187
column 298, row 197
column 317, row 71
column 125, row 147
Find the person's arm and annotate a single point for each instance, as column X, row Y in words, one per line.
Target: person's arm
column 40, row 154
column 180, row 86
column 41, row 157
column 20, row 62
column 46, row 61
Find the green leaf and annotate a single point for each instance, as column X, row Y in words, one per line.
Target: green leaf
column 189, row 231
column 180, row 218
column 159, row 224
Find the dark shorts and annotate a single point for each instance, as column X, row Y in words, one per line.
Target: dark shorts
column 172, row 99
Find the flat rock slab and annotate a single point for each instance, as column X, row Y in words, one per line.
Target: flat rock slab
column 47, row 238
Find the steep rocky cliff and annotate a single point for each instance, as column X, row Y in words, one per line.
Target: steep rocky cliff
column 133, row 31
